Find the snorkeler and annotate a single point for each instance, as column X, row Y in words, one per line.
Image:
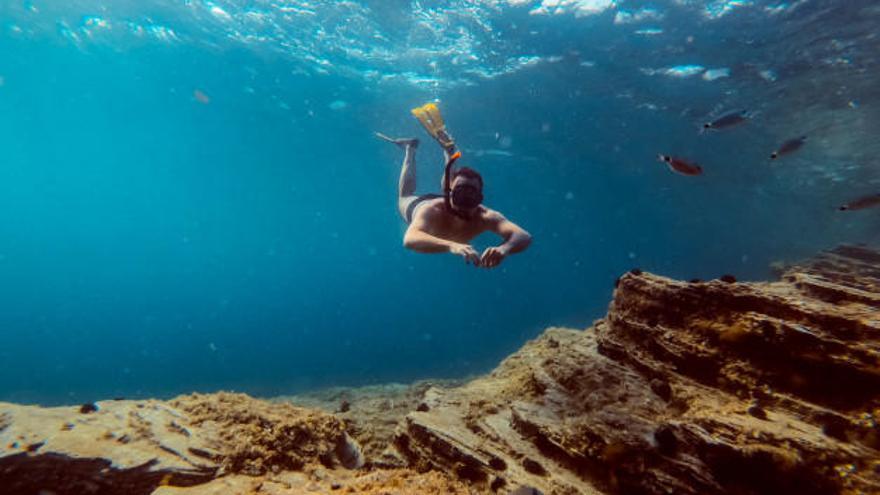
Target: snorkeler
column 446, row 223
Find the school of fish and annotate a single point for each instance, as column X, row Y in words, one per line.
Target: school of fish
column 735, row 118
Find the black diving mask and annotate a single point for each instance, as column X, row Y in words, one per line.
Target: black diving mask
column 466, row 197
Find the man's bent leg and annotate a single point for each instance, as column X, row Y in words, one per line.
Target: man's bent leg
column 407, row 184
column 407, row 187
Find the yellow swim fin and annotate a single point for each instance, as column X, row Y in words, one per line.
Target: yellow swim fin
column 431, row 119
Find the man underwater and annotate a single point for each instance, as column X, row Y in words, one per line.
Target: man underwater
column 446, row 223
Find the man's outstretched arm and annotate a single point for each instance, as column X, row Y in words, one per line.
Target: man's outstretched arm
column 516, row 240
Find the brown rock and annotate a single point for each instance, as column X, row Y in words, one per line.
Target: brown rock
column 137, row 446
column 661, row 388
column 534, row 467
column 667, row 442
column 757, row 411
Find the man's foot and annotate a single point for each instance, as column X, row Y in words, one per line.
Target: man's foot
column 402, row 142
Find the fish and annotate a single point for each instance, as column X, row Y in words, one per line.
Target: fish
column 729, row 119
column 201, row 97
column 681, row 166
column 862, row 203
column 789, row 146
column 492, row 152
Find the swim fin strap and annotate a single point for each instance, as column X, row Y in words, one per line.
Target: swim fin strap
column 431, row 119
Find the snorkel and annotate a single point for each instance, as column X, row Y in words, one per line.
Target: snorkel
column 447, row 181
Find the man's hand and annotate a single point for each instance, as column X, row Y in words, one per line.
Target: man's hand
column 492, row 257
column 467, row 252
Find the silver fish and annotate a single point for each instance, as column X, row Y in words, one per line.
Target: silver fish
column 492, row 153
column 729, row 119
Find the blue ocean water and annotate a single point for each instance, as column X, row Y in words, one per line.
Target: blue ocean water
column 191, row 196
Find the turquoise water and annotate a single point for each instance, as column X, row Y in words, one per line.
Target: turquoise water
column 191, row 197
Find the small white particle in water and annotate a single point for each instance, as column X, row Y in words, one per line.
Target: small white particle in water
column 569, row 195
column 768, row 75
column 713, row 74
column 683, row 71
column 631, row 255
column 212, row 347
column 338, row 105
column 545, row 127
column 222, row 14
column 745, row 258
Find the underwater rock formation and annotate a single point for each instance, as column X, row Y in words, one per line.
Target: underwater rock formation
column 199, row 444
column 137, row 446
column 684, row 387
column 371, row 413
column 694, row 388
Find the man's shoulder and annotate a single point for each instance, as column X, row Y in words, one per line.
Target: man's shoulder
column 491, row 216
column 436, row 203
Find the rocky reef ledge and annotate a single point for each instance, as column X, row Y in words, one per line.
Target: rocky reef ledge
column 700, row 387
